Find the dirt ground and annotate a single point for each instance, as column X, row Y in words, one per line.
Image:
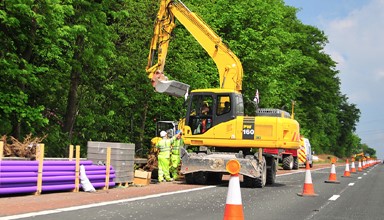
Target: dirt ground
column 19, row 204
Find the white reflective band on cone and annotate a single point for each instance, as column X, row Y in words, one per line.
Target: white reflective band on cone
column 234, row 193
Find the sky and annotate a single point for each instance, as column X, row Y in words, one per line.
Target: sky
column 355, row 31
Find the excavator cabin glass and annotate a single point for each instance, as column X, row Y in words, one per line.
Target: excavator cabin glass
column 206, row 110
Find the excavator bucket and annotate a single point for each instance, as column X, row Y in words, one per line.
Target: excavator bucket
column 172, row 87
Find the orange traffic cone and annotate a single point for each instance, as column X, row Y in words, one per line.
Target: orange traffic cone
column 359, row 168
column 233, row 207
column 353, row 168
column 332, row 176
column 308, row 189
column 346, row 172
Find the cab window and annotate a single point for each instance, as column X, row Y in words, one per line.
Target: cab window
column 223, row 105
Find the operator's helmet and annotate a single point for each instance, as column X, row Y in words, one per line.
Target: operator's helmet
column 178, row 131
column 163, row 133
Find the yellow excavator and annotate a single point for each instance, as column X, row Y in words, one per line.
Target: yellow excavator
column 359, row 155
column 215, row 129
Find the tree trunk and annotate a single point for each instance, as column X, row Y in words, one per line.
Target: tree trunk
column 26, row 55
column 72, row 103
column 16, row 127
column 142, row 130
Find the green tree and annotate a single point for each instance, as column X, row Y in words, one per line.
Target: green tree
column 348, row 117
column 81, row 65
column 27, row 32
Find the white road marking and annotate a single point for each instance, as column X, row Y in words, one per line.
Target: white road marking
column 303, row 171
column 351, row 184
column 359, row 177
column 48, row 212
column 334, row 197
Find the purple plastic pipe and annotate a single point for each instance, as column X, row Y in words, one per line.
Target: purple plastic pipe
column 45, row 163
column 48, row 179
column 11, row 190
column 48, row 168
column 12, row 185
column 53, row 173
column 21, row 176
column 31, row 189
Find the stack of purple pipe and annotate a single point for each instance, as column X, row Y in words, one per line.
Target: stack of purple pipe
column 21, row 176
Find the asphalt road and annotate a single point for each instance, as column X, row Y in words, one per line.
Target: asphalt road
column 358, row 197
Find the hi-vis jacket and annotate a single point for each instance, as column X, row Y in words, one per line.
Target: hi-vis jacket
column 164, row 146
column 177, row 144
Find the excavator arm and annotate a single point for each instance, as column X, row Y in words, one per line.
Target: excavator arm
column 359, row 155
column 164, row 24
column 229, row 66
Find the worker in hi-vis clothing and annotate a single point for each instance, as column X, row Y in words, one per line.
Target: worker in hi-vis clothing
column 163, row 158
column 175, row 155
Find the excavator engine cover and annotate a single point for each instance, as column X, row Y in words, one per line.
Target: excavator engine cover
column 172, row 87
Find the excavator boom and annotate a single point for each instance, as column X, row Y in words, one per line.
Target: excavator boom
column 229, row 66
column 164, row 25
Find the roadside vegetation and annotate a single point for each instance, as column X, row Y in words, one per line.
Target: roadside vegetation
column 74, row 71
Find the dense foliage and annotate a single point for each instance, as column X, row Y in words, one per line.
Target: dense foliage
column 75, row 70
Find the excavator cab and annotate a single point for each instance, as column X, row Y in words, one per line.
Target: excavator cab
column 209, row 107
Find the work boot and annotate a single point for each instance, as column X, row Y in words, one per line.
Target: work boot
column 169, row 180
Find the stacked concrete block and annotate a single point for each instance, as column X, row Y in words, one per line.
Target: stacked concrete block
column 122, row 158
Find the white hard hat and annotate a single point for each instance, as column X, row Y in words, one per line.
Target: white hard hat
column 163, row 134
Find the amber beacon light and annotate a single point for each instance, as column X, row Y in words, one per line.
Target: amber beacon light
column 233, row 167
